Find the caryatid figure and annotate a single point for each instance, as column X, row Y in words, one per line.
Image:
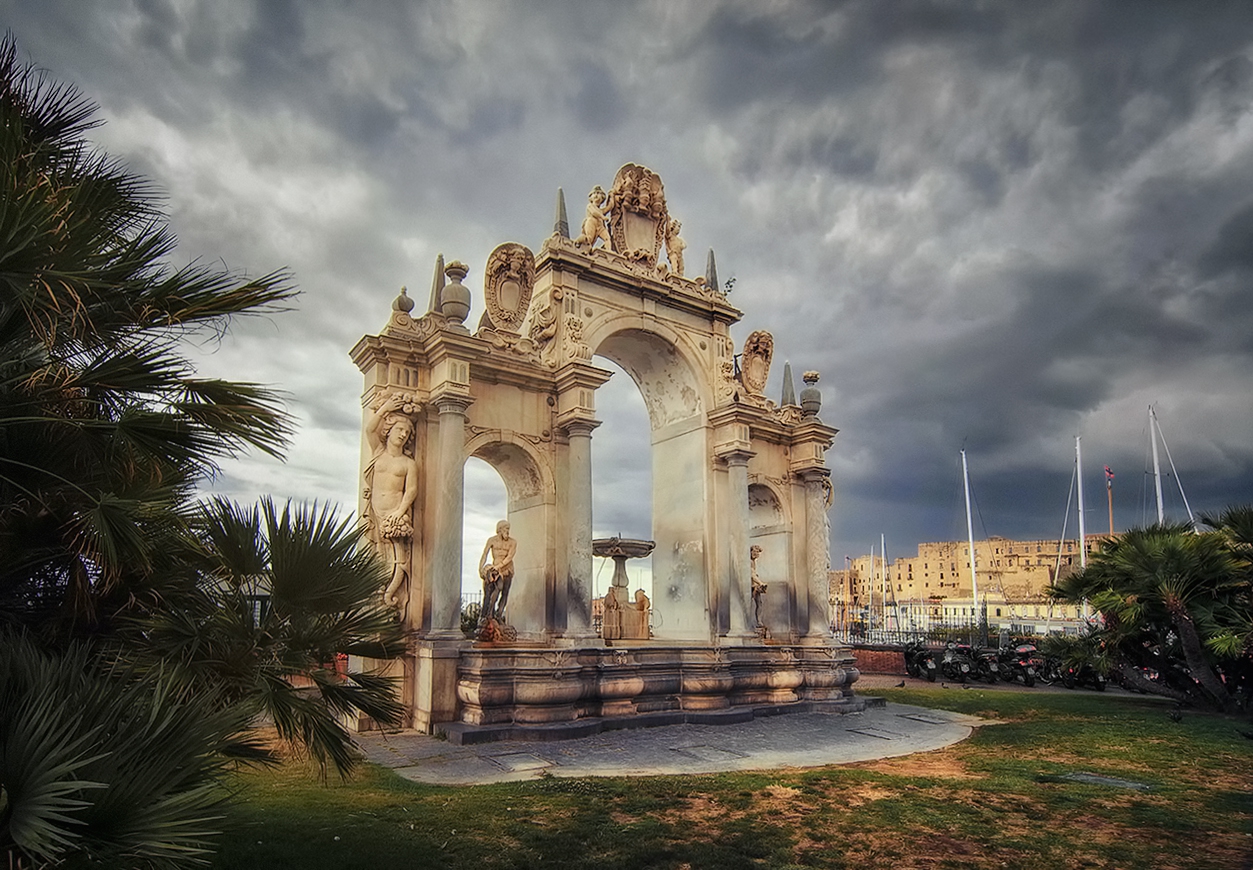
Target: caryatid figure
column 498, row 576
column 391, row 487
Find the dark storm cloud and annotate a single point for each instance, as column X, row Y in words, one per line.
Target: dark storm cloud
column 988, row 225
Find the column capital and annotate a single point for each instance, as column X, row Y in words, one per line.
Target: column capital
column 450, row 400
column 735, row 457
column 578, row 425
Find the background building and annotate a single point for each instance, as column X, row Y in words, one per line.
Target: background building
column 934, row 587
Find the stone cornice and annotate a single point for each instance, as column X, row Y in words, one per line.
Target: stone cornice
column 612, row 271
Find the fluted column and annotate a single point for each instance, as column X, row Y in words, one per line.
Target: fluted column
column 579, row 576
column 739, row 575
column 817, row 553
column 446, row 549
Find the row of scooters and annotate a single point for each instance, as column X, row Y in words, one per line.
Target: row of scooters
column 962, row 662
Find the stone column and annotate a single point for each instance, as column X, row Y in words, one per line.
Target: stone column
column 446, row 550
column 739, row 574
column 817, row 554
column 579, row 560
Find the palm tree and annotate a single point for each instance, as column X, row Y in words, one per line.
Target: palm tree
column 1165, row 594
column 282, row 598
column 159, row 627
column 104, row 428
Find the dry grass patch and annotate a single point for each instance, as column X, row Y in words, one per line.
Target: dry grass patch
column 932, row 764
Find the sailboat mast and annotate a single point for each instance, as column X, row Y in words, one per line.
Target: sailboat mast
column 970, row 532
column 1157, row 468
column 1083, row 545
column 883, row 550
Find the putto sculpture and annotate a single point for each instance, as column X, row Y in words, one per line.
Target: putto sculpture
column 594, row 223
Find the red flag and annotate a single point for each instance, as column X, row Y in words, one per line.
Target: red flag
column 1109, row 475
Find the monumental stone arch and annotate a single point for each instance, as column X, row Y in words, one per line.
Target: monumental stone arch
column 740, row 494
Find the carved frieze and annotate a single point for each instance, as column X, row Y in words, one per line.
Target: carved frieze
column 507, row 285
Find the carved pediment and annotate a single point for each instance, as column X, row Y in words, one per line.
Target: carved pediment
column 507, row 285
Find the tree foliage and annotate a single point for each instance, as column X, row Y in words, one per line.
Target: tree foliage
column 139, row 631
column 1176, row 607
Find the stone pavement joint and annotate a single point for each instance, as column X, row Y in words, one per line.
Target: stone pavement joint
column 796, row 740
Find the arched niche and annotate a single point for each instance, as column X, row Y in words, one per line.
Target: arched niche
column 770, row 529
column 529, row 486
column 676, row 399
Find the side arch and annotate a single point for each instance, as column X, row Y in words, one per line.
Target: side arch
column 530, row 487
column 769, row 527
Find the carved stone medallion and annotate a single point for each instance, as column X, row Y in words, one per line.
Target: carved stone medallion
column 637, row 214
column 755, row 368
column 508, row 283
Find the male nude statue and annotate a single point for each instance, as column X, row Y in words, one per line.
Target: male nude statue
column 758, row 588
column 498, row 576
column 392, row 478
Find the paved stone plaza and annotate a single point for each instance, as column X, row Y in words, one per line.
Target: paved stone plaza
column 791, row 740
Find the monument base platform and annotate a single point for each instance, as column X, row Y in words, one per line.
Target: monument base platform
column 462, row 734
column 556, row 693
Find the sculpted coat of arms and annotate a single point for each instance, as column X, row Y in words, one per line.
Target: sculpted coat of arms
column 755, row 368
column 508, row 284
column 638, row 217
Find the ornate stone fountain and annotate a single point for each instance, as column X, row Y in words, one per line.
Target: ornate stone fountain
column 624, row 618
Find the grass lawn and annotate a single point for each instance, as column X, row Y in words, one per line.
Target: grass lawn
column 998, row 800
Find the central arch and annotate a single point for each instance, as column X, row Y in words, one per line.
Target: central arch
column 675, row 399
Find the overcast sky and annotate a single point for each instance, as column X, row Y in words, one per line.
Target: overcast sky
column 995, row 226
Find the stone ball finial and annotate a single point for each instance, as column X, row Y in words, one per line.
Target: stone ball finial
column 811, row 396
column 455, row 297
column 403, row 303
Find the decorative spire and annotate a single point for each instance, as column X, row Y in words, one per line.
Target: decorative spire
column 711, row 272
column 789, row 388
column 561, row 227
column 437, row 285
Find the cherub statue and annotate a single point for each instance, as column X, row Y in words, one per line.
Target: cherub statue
column 675, row 247
column 392, row 487
column 595, row 222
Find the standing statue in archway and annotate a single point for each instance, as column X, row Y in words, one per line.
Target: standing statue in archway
column 391, row 481
column 498, row 576
column 758, row 588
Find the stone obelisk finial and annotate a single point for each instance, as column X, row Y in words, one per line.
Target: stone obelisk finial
column 789, row 388
column 437, row 285
column 711, row 272
column 561, row 226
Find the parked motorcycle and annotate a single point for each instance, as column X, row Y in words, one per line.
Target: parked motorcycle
column 956, row 664
column 920, row 661
column 1020, row 662
column 1084, row 675
column 987, row 664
